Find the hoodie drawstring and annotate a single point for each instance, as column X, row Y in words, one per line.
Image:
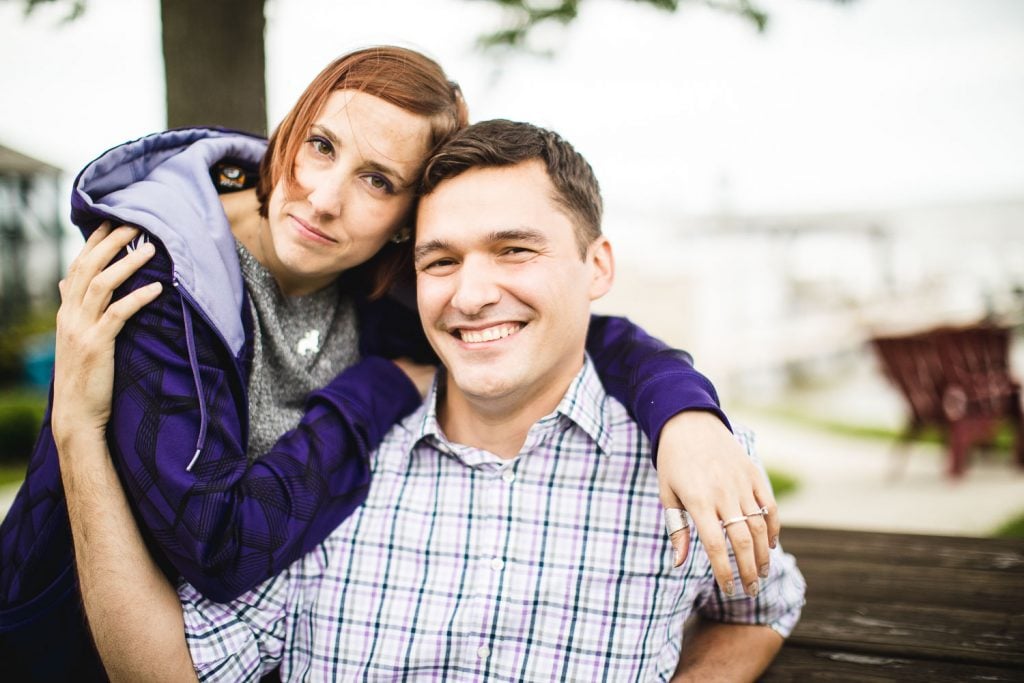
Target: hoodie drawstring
column 190, row 342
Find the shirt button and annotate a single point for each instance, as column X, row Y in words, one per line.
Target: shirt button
column 508, row 475
column 496, row 564
column 483, row 651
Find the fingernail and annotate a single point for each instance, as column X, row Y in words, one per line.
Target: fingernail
column 147, row 248
column 763, row 571
column 728, row 588
column 679, row 557
column 774, row 542
column 753, row 588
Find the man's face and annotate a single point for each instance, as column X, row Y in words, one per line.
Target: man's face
column 503, row 293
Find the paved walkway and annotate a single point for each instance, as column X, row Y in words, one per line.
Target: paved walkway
column 848, row 483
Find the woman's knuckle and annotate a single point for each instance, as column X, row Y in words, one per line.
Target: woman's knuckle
column 742, row 542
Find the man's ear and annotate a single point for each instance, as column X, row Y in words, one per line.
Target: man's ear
column 602, row 264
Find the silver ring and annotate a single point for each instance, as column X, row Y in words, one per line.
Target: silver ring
column 734, row 520
column 758, row 513
column 676, row 520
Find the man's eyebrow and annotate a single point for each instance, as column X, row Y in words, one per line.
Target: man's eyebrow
column 429, row 247
column 528, row 235
column 369, row 164
column 518, row 235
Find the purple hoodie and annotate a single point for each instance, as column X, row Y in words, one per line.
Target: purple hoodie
column 179, row 418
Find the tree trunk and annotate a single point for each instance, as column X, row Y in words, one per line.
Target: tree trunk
column 214, row 63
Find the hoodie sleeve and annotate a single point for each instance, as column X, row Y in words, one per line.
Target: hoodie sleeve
column 653, row 380
column 224, row 525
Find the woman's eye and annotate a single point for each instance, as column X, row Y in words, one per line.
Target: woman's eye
column 321, row 146
column 379, row 182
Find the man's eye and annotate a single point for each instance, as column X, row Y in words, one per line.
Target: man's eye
column 440, row 264
column 517, row 252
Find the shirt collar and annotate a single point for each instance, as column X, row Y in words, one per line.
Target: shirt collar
column 584, row 404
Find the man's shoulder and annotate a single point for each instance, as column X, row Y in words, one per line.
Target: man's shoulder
column 403, row 435
column 592, row 409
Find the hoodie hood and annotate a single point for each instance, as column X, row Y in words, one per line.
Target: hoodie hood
column 162, row 184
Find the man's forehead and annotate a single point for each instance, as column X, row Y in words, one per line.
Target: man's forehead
column 493, row 204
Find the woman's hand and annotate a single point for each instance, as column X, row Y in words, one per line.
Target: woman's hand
column 88, row 323
column 420, row 375
column 702, row 468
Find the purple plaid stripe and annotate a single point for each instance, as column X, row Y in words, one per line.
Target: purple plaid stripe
column 552, row 566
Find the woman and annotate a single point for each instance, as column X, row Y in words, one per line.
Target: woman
column 239, row 447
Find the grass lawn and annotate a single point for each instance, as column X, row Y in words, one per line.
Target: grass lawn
column 11, row 473
column 783, row 483
column 1014, row 528
column 1003, row 441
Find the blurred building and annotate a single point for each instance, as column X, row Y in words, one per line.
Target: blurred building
column 767, row 299
column 31, row 234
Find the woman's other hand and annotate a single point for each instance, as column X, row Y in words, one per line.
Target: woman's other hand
column 703, row 469
column 87, row 324
column 420, row 375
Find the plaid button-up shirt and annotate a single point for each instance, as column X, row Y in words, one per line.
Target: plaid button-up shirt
column 461, row 566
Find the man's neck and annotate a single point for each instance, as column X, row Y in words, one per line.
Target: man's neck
column 497, row 425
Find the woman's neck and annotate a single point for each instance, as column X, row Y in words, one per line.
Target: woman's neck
column 242, row 209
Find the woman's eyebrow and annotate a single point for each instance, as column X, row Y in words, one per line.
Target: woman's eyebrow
column 369, row 164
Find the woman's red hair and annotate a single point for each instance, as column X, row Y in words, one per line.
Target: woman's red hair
column 402, row 77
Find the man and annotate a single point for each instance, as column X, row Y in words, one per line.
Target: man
column 512, row 530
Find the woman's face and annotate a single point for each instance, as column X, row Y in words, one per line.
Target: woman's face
column 356, row 175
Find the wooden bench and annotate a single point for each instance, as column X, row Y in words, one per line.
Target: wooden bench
column 900, row 607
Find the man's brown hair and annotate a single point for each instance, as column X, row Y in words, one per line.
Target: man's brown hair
column 497, row 143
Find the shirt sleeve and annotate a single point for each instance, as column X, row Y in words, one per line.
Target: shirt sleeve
column 238, row 641
column 653, row 380
column 179, row 399
column 780, row 599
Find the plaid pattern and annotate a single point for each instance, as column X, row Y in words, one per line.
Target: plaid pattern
column 461, row 566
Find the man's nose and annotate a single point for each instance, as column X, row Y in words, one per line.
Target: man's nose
column 477, row 287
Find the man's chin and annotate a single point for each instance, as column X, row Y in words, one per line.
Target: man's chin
column 477, row 388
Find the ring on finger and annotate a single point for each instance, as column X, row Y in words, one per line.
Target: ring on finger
column 734, row 520
column 676, row 520
column 758, row 513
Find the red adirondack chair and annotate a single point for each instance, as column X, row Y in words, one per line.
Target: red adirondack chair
column 957, row 379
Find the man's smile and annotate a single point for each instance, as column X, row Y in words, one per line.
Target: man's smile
column 486, row 334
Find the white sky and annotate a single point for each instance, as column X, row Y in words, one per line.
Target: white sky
column 873, row 104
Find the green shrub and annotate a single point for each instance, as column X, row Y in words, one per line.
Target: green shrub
column 1013, row 528
column 782, row 483
column 12, row 473
column 14, row 339
column 21, row 414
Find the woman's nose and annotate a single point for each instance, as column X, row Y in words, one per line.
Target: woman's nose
column 326, row 193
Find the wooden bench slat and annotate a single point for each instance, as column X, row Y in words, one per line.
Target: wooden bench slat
column 821, row 664
column 967, row 636
column 998, row 555
column 861, row 582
